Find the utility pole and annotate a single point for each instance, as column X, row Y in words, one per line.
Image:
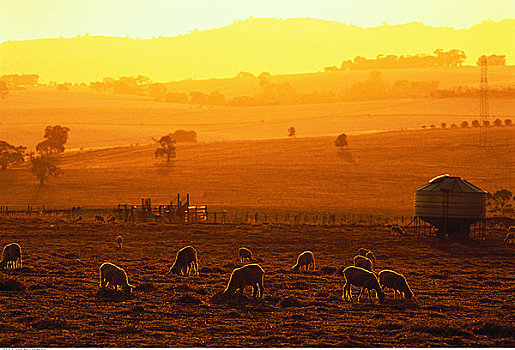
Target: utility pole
column 483, row 104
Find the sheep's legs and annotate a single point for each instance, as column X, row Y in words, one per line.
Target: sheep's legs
column 369, row 296
column 361, row 293
column 261, row 289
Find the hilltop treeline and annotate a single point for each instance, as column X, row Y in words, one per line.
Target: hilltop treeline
column 18, row 80
column 441, row 58
column 270, row 93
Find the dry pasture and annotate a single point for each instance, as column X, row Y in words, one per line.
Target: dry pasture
column 464, row 291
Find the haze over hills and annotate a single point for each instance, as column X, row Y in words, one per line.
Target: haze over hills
column 254, row 45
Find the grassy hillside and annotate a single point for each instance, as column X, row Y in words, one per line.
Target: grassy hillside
column 377, row 173
column 254, row 45
column 109, row 120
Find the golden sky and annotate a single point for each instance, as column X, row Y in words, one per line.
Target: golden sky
column 32, row 19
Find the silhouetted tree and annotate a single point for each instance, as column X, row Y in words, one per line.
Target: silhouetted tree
column 507, row 122
column 498, row 122
column 499, row 200
column 454, row 126
column 475, row 123
column 4, row 90
column 167, row 149
column 291, row 131
column 55, row 139
column 493, row 60
column 486, row 123
column 10, row 154
column 341, row 141
column 44, row 166
column 443, row 125
column 184, row 136
column 464, row 124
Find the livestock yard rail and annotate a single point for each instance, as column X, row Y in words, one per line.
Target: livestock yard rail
column 183, row 213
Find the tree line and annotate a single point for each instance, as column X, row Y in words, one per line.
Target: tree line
column 441, row 58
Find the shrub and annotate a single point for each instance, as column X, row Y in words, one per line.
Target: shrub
column 432, row 126
column 464, row 124
column 507, row 122
column 475, row 123
column 454, row 126
column 486, row 123
column 498, row 122
column 443, row 125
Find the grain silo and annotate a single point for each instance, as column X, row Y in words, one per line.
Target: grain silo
column 451, row 204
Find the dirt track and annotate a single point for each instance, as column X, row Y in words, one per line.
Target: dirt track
column 464, row 292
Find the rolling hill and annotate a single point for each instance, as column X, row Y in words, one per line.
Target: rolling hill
column 254, row 45
column 376, row 174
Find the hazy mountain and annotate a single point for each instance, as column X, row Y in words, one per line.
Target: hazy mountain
column 254, row 45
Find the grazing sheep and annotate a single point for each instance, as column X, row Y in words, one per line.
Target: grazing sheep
column 245, row 254
column 370, row 255
column 397, row 230
column 363, row 262
column 362, row 278
column 363, row 251
column 248, row 275
column 304, row 259
column 393, row 280
column 112, row 219
column 185, row 259
column 11, row 256
column 510, row 236
column 119, row 241
column 115, row 276
column 100, row 218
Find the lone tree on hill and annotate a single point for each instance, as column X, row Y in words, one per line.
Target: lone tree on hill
column 10, row 154
column 341, row 141
column 167, row 149
column 55, row 139
column 44, row 166
column 291, row 131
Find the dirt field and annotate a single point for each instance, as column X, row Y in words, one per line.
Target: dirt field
column 464, row 292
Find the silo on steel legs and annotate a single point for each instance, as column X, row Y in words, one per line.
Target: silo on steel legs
column 451, row 204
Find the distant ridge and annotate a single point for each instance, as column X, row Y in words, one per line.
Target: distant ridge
column 254, row 45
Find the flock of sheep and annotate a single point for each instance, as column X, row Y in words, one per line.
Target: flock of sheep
column 360, row 274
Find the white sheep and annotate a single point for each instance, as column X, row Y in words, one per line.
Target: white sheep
column 397, row 230
column 115, row 276
column 389, row 279
column 510, row 236
column 370, row 255
column 185, row 260
column 248, row 275
column 11, row 256
column 245, row 254
column 100, row 218
column 367, row 254
column 119, row 241
column 304, row 259
column 360, row 277
column 363, row 262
